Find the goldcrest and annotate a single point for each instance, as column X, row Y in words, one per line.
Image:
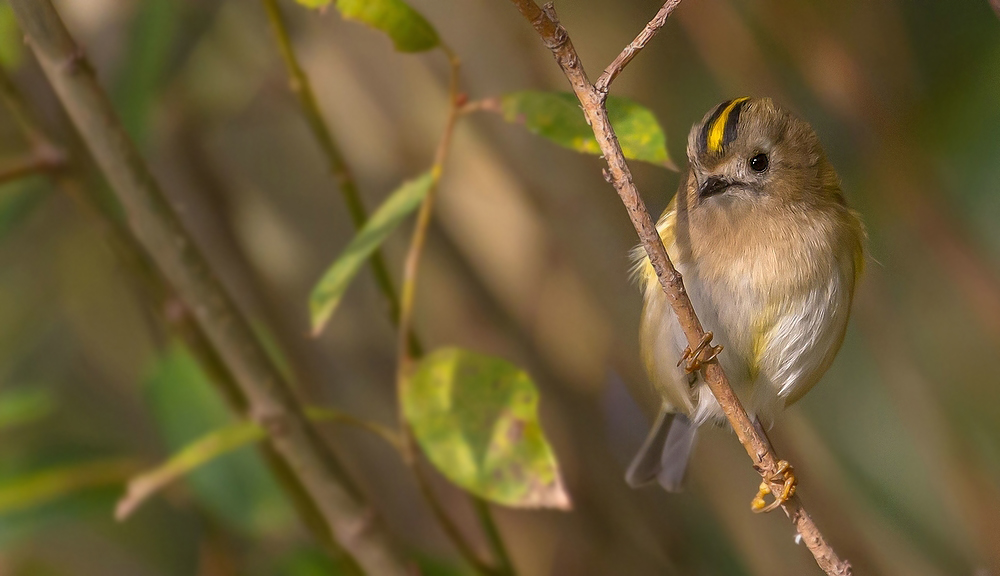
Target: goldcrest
column 770, row 253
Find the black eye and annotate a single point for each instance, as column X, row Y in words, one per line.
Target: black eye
column 759, row 163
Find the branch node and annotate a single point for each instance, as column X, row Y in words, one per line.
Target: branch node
column 76, row 62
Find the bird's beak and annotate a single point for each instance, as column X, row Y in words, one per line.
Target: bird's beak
column 713, row 185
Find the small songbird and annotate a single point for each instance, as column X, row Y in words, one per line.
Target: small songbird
column 770, row 254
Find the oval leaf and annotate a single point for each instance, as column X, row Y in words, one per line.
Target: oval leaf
column 330, row 288
column 558, row 117
column 409, row 31
column 476, row 418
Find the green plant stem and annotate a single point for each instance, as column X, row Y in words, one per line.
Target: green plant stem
column 493, row 536
column 299, row 84
column 450, row 528
column 156, row 226
column 419, row 238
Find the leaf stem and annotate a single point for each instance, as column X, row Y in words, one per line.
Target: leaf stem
column 493, row 536
column 419, row 237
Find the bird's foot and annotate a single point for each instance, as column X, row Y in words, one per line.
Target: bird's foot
column 785, row 474
column 693, row 361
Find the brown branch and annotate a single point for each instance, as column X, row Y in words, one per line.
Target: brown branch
column 36, row 162
column 156, row 226
column 555, row 37
column 626, row 56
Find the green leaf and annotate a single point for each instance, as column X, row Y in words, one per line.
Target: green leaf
column 558, row 117
column 331, row 287
column 476, row 418
column 19, row 407
column 38, row 488
column 192, row 456
column 409, row 31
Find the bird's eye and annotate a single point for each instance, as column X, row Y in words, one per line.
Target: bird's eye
column 759, row 163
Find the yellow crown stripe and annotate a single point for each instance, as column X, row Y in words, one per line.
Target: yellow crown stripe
column 718, row 128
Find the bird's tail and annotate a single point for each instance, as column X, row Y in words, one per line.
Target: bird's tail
column 665, row 453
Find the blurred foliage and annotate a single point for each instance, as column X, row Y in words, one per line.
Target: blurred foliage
column 897, row 449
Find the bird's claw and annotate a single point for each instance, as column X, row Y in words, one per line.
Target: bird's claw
column 785, row 474
column 693, row 361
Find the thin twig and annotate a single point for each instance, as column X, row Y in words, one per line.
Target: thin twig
column 28, row 165
column 555, row 37
column 419, row 237
column 504, row 565
column 452, row 530
column 299, row 84
column 626, row 56
column 156, row 226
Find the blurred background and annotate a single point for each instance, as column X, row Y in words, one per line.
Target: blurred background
column 897, row 449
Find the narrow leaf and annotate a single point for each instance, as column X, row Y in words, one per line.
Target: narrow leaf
column 238, row 491
column 44, row 486
column 476, row 418
column 203, row 450
column 558, row 117
column 409, row 31
column 330, row 289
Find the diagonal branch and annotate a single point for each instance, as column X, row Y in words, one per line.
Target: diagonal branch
column 626, row 56
column 592, row 98
column 271, row 401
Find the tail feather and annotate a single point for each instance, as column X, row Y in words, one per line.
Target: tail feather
column 664, row 454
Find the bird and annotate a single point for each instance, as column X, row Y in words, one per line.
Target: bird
column 770, row 254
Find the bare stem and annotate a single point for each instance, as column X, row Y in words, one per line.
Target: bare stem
column 33, row 163
column 300, row 85
column 555, row 37
column 626, row 56
column 156, row 226
column 504, row 565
